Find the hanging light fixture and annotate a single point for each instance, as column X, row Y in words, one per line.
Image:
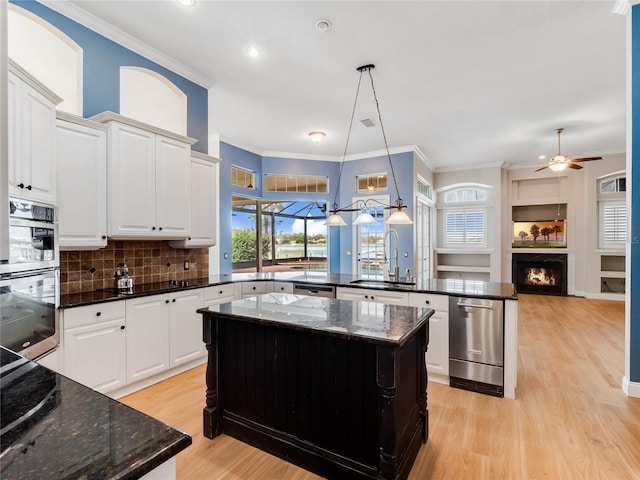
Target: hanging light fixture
column 398, row 217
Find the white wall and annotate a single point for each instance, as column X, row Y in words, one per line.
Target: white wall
column 4, row 136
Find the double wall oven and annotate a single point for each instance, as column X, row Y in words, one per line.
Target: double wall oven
column 29, row 280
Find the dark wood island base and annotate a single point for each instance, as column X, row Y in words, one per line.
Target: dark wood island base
column 337, row 387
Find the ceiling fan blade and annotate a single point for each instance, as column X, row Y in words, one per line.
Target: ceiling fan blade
column 542, row 168
column 574, row 166
column 585, row 159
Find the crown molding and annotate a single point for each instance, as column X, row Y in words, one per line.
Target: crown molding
column 33, row 82
column 64, row 7
column 470, row 167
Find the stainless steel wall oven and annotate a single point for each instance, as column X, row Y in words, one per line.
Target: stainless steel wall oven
column 30, row 281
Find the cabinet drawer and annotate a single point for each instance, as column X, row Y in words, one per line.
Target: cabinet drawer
column 283, row 287
column 219, row 292
column 255, row 288
column 91, row 314
column 429, row 300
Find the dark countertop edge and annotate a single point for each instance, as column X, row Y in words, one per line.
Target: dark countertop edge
column 142, row 467
column 202, row 283
column 333, row 333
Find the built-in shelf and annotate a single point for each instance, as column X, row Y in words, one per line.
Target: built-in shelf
column 612, row 263
column 461, row 268
column 612, row 285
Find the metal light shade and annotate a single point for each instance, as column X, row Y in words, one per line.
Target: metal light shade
column 399, row 218
column 365, row 218
column 335, row 220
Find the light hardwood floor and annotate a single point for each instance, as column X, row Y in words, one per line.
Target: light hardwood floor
column 570, row 420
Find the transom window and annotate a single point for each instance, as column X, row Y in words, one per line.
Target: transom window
column 374, row 182
column 296, row 183
column 241, row 177
column 465, row 195
column 424, row 189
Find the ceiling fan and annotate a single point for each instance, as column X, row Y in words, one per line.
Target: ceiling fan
column 559, row 161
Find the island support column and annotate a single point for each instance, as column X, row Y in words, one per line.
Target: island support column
column 211, row 414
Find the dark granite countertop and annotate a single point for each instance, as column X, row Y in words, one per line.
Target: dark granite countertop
column 462, row 288
column 364, row 321
column 53, row 427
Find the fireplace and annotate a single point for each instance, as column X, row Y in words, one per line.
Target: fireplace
column 544, row 274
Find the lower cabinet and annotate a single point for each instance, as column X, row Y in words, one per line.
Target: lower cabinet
column 185, row 327
column 437, row 358
column 94, row 342
column 372, row 295
column 147, row 336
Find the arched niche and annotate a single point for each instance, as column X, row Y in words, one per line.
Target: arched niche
column 48, row 54
column 151, row 98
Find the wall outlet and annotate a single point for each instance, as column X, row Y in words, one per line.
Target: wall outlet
column 186, row 265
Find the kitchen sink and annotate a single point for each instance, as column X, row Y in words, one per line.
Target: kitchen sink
column 383, row 283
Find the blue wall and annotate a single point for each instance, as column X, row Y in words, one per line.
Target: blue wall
column 634, row 277
column 101, row 73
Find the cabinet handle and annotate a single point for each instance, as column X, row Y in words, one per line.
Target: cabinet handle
column 28, row 187
column 254, row 288
column 166, row 301
column 21, row 185
column 371, row 297
column 220, row 292
column 104, row 237
column 189, row 238
column 427, row 302
column 173, row 300
column 122, row 327
column 98, row 314
column 366, row 296
column 160, row 228
column 153, row 228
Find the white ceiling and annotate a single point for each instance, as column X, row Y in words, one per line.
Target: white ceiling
column 467, row 82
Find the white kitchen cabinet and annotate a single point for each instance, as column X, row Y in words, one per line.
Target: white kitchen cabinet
column 148, row 180
column 250, row 289
column 185, row 327
column 31, row 137
column 147, row 336
column 219, row 294
column 94, row 339
column 81, row 183
column 437, row 357
column 372, row 295
column 204, row 202
column 282, row 287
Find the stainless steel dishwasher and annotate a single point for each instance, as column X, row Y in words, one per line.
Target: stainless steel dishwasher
column 476, row 345
column 328, row 291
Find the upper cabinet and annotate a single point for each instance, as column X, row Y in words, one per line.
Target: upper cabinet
column 148, row 180
column 204, row 200
column 32, row 120
column 81, row 183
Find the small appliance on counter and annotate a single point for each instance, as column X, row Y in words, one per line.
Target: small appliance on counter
column 124, row 283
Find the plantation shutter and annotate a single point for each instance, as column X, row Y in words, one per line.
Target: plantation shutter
column 454, row 228
column 614, row 224
column 474, row 228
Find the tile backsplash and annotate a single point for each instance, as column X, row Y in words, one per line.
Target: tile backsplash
column 148, row 262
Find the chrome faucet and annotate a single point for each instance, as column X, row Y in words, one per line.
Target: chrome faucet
column 396, row 268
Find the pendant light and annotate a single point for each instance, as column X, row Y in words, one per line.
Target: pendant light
column 399, row 216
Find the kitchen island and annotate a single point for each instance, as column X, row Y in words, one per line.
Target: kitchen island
column 337, row 387
column 53, row 428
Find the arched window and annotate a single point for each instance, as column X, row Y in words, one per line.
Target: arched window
column 47, row 54
column 149, row 97
column 464, row 215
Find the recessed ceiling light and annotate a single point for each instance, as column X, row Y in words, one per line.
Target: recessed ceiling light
column 542, row 157
column 187, row 3
column 253, row 51
column 323, row 25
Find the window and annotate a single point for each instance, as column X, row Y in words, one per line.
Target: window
column 242, row 177
column 371, row 183
column 297, row 183
column 424, row 188
column 612, row 211
column 463, row 215
column 465, row 227
column 613, row 224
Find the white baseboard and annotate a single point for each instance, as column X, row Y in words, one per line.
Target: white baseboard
column 147, row 382
column 631, row 389
column 438, row 378
column 606, row 296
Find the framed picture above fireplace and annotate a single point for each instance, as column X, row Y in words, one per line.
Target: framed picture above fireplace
column 542, row 234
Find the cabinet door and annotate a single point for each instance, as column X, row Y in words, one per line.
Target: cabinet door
column 131, row 174
column 173, row 192
column 147, row 336
column 219, row 294
column 94, row 355
column 186, row 342
column 203, row 203
column 38, row 146
column 438, row 348
column 81, row 186
column 373, row 295
column 250, row 289
column 13, row 142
